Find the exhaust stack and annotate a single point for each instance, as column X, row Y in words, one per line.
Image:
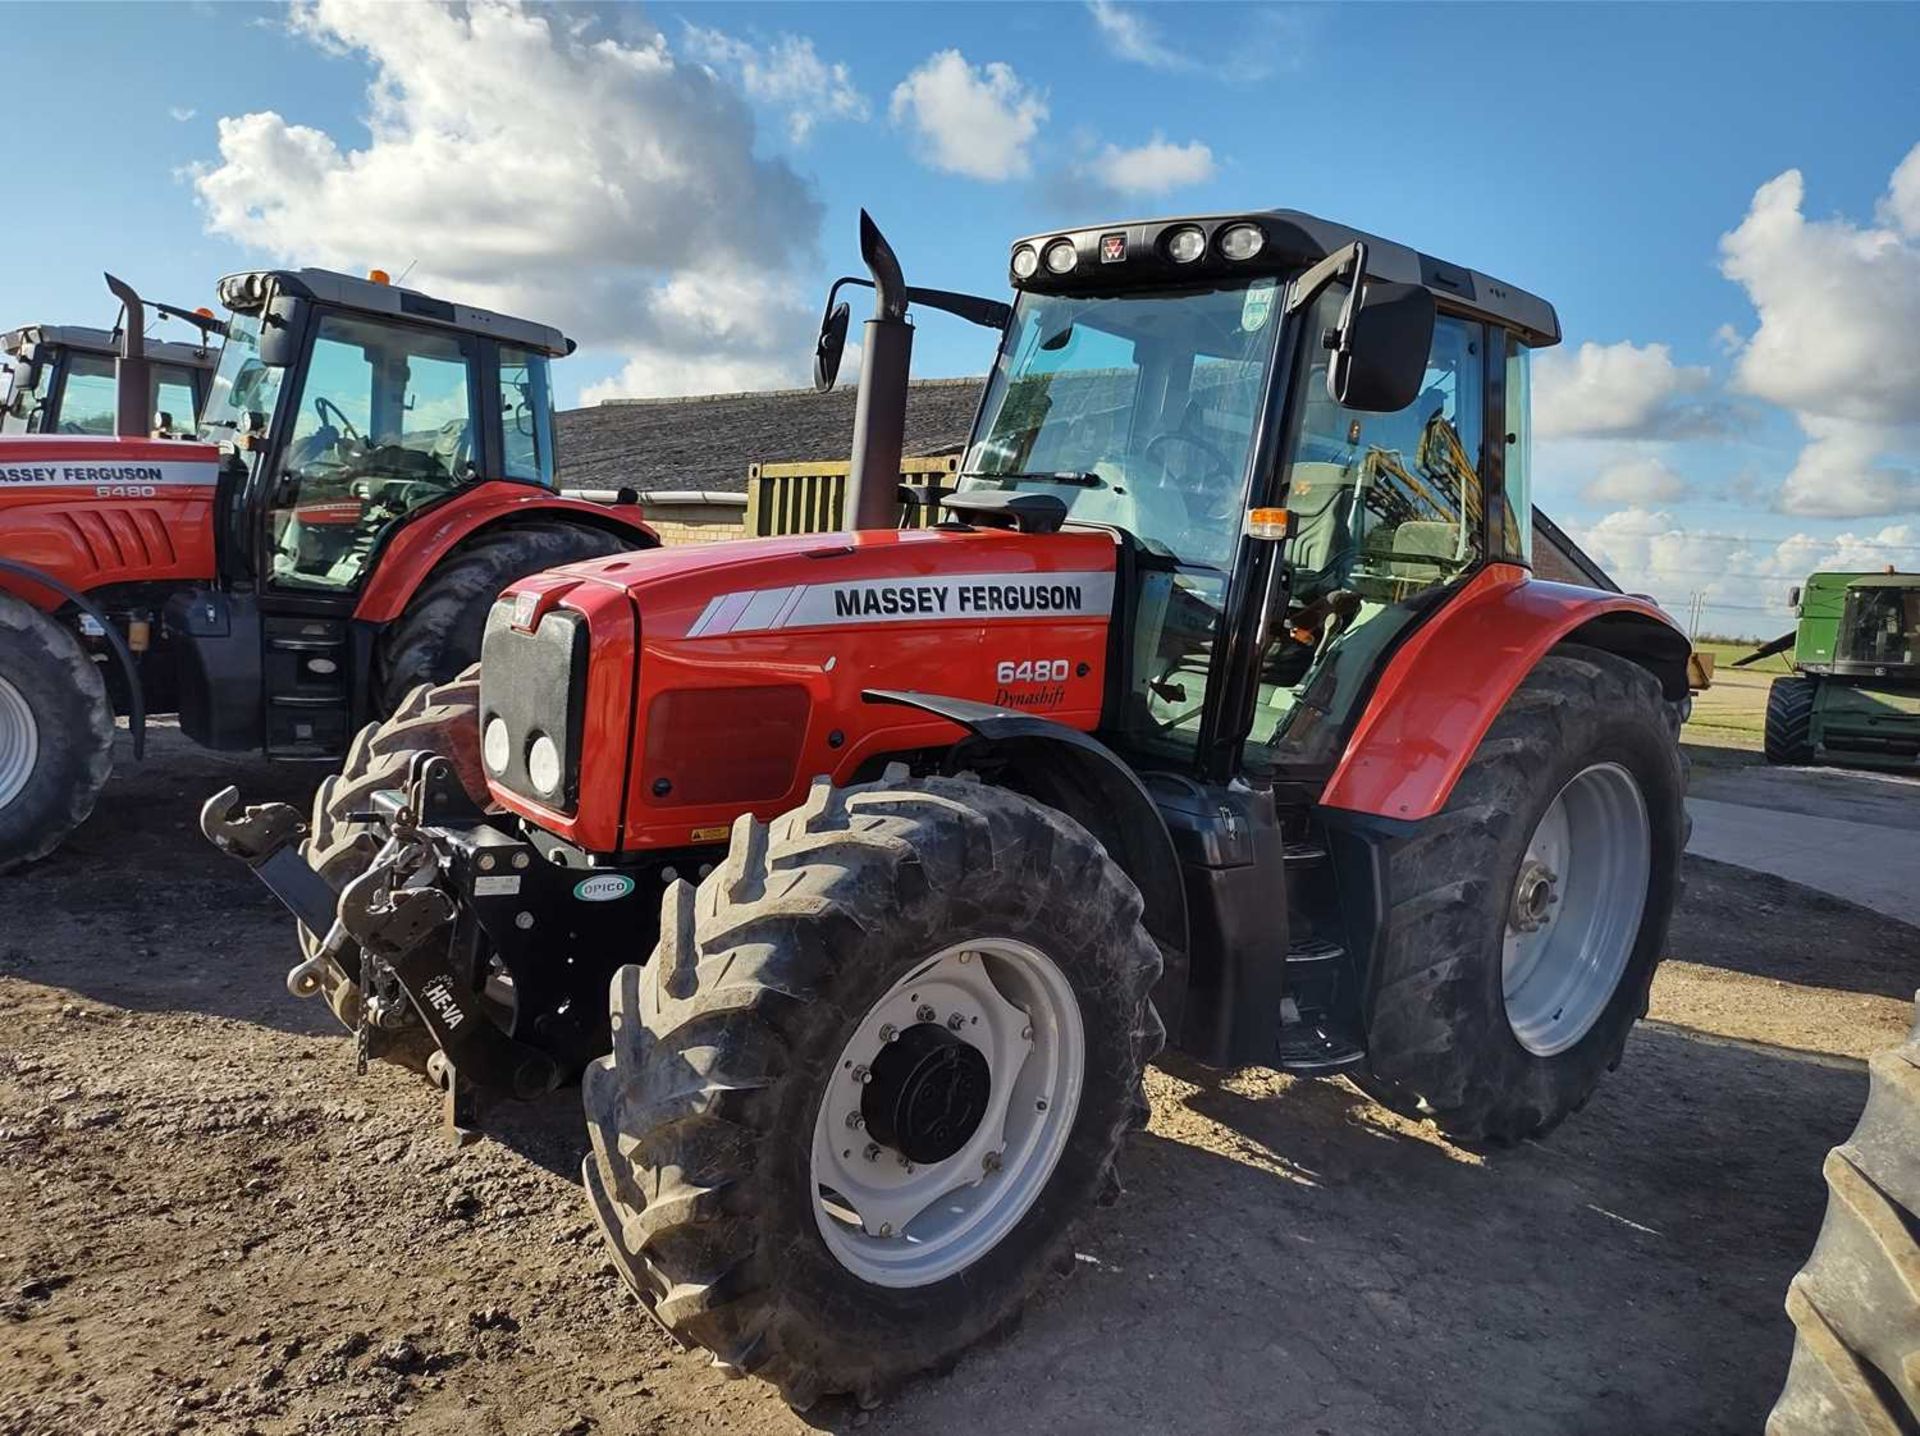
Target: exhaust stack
column 880, row 409
column 132, row 376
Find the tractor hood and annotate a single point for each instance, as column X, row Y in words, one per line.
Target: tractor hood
column 675, row 686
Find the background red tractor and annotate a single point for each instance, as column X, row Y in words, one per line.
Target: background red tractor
column 1221, row 709
column 373, row 466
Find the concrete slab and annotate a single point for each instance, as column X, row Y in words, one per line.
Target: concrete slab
column 1871, row 863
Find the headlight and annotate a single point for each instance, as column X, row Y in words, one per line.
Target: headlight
column 496, row 746
column 1061, row 256
column 1026, row 259
column 1242, row 241
column 543, row 763
column 1186, row 245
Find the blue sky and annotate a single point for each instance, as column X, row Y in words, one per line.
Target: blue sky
column 675, row 184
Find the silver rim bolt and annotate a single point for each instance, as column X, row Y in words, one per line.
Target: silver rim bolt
column 927, row 1014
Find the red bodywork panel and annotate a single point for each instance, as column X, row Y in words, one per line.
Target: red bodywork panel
column 419, row 545
column 1442, row 690
column 91, row 511
column 753, row 656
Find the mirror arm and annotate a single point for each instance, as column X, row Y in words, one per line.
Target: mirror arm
column 1309, row 284
column 974, row 308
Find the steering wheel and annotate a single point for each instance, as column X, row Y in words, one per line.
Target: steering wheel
column 1205, row 446
column 1223, row 466
column 321, row 404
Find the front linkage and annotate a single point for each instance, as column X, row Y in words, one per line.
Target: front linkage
column 495, row 948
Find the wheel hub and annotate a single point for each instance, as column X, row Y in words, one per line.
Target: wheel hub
column 1533, row 897
column 928, row 1092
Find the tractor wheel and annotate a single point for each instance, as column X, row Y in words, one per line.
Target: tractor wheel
column 443, row 720
column 438, row 635
column 1524, row 921
column 1856, row 1303
column 1789, row 735
column 878, row 1066
column 56, row 733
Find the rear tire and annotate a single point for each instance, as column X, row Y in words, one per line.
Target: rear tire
column 438, row 636
column 443, row 720
column 1445, row 1038
column 1789, row 731
column 707, row 1116
column 56, row 734
column 1856, row 1303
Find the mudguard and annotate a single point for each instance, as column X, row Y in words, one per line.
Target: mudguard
column 1441, row 690
column 416, row 547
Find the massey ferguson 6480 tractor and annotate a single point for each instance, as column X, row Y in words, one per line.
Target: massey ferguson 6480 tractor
column 1221, row 709
column 373, row 466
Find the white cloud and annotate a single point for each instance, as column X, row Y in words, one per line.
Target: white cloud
column 1728, row 340
column 1744, row 580
column 1838, row 341
column 975, row 121
column 1155, row 168
column 524, row 161
column 181, row 113
column 1636, row 481
column 786, row 74
column 1131, row 36
column 1619, row 391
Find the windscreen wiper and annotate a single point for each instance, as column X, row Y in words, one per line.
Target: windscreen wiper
column 1078, row 478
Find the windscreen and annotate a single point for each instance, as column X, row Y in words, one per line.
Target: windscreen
column 1880, row 624
column 1138, row 410
column 242, row 385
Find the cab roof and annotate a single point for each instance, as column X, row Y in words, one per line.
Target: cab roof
column 1292, row 241
column 245, row 292
column 104, row 341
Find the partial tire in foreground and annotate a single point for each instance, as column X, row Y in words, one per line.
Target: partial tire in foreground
column 1856, row 1303
column 1524, row 921
column 878, row 1066
column 441, row 719
column 1789, row 730
column 438, row 636
column 56, row 733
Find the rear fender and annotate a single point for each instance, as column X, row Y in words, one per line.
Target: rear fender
column 1080, row 776
column 420, row 544
column 1444, row 686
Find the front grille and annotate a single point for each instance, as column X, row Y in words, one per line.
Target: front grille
column 534, row 684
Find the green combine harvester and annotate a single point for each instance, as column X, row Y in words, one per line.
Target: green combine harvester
column 1854, row 695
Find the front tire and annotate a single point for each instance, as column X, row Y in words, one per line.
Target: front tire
column 1789, row 729
column 1523, row 923
column 735, row 1048
column 1856, row 1303
column 56, row 734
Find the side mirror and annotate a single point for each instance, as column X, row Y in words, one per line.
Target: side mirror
column 1380, row 349
column 280, row 332
column 1793, row 598
column 830, row 347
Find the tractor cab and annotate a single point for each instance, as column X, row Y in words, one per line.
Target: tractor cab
column 63, row 379
column 344, row 406
column 1295, row 475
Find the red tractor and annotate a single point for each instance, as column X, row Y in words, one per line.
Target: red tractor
column 373, row 466
column 1221, row 708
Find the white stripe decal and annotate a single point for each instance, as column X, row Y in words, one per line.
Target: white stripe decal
column 908, row 600
column 172, row 473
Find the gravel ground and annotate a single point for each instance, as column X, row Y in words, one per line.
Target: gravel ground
column 212, row 1225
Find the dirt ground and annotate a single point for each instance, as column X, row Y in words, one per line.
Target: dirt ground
column 212, row 1225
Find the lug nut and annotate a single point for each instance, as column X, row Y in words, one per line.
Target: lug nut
column 956, row 1022
column 860, row 1074
column 966, row 957
column 886, row 1229
column 1026, row 1033
column 873, row 1151
column 856, row 1121
column 990, row 1162
column 889, row 1033
column 926, row 1013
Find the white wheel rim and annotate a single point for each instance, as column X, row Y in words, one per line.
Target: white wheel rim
column 898, row 1224
column 1574, row 914
column 19, row 742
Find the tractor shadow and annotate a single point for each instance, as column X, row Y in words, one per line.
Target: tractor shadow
column 1765, row 926
column 1289, row 1257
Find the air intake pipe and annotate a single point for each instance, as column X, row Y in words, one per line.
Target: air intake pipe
column 880, row 410
column 132, row 377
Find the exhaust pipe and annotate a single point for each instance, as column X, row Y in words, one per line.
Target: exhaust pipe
column 132, row 376
column 880, row 410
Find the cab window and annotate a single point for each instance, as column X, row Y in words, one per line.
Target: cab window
column 526, row 410
column 1387, row 510
column 173, row 406
column 88, row 395
column 383, row 424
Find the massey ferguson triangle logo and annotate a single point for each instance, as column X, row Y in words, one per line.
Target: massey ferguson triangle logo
column 1113, row 248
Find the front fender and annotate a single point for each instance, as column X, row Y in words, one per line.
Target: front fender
column 1444, row 686
column 410, row 555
